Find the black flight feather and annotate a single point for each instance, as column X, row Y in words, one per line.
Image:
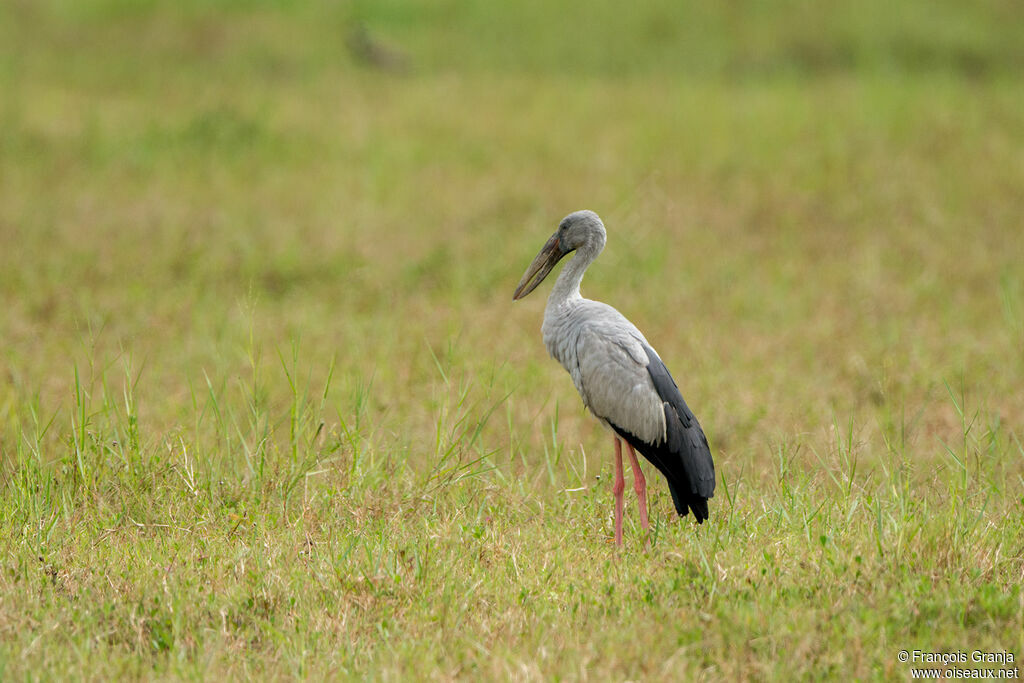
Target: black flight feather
column 683, row 456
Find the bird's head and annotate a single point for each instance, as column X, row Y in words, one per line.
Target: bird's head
column 578, row 230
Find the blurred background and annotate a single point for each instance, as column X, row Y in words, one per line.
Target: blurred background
column 256, row 268
column 810, row 205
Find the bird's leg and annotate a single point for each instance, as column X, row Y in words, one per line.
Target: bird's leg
column 617, row 488
column 639, row 485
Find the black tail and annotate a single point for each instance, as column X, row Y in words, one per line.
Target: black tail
column 683, row 456
column 669, row 464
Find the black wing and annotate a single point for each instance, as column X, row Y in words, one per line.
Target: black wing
column 684, row 456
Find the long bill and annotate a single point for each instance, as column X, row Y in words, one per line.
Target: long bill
column 549, row 255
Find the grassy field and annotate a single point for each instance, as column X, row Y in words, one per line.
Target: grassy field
column 267, row 409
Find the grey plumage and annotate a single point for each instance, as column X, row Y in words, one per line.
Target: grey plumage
column 622, row 380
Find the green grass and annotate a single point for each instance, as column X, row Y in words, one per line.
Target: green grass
column 267, row 409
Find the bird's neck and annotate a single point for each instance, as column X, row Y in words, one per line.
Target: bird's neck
column 567, row 286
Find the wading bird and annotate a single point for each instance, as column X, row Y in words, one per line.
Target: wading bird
column 620, row 377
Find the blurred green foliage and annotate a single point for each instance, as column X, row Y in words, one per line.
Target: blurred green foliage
column 267, row 410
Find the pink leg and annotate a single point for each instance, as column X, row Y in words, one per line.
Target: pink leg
column 617, row 488
column 640, row 486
